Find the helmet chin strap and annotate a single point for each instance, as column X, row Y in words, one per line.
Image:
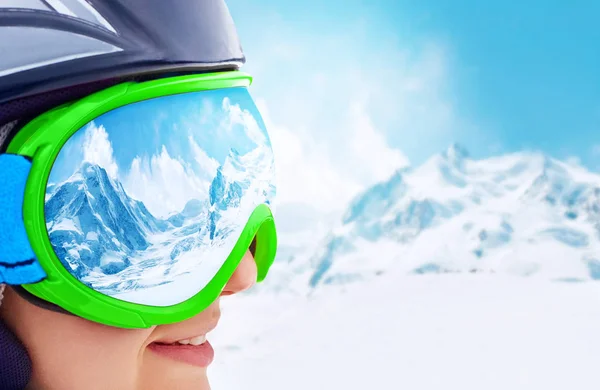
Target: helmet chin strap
column 15, row 364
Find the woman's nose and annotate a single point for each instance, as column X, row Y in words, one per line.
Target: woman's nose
column 244, row 276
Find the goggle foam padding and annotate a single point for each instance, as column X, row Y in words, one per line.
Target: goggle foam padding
column 15, row 364
column 18, row 264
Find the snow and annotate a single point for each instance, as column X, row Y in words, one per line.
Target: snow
column 189, row 272
column 456, row 274
column 66, row 224
column 413, row 332
column 111, row 257
column 91, row 236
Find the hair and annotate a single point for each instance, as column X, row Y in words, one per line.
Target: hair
column 5, row 131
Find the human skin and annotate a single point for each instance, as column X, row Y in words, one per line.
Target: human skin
column 71, row 353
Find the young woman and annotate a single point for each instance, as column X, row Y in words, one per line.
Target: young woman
column 136, row 178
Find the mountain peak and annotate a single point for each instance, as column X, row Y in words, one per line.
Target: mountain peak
column 92, row 170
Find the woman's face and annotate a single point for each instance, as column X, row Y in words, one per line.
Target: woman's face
column 72, row 353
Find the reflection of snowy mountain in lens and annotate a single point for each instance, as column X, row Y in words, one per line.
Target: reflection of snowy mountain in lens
column 90, row 217
column 235, row 188
column 112, row 242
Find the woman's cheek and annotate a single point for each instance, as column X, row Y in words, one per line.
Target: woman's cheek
column 72, row 353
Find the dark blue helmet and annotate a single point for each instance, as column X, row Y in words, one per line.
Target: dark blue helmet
column 53, row 51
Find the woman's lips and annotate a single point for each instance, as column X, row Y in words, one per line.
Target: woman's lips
column 197, row 355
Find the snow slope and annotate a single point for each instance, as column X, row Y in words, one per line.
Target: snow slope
column 426, row 332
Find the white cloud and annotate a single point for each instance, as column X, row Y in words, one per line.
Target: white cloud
column 208, row 165
column 206, row 111
column 97, row 149
column 374, row 159
column 305, row 174
column 234, row 115
column 163, row 183
column 340, row 123
column 306, row 167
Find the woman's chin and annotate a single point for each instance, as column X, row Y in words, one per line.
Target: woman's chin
column 159, row 372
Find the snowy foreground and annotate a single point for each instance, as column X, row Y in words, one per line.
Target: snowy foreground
column 479, row 332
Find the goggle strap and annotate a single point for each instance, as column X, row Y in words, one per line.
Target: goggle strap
column 29, row 297
column 18, row 264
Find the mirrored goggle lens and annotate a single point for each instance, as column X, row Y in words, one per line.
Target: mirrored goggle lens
column 146, row 202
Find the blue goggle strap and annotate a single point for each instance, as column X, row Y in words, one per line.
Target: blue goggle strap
column 18, row 264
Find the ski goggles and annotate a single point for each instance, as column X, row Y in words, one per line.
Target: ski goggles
column 133, row 206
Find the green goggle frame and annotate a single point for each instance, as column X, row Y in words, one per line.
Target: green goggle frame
column 42, row 139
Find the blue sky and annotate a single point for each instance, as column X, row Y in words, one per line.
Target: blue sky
column 528, row 72
column 495, row 76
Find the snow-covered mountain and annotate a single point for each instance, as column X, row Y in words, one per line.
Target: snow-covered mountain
column 112, row 241
column 93, row 222
column 89, row 215
column 523, row 213
column 242, row 182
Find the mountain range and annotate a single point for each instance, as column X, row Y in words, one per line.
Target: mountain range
column 521, row 214
column 96, row 227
